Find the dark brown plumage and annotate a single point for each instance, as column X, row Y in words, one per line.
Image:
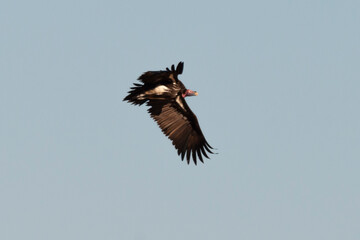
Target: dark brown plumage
column 165, row 95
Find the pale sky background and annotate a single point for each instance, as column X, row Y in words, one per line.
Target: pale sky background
column 278, row 84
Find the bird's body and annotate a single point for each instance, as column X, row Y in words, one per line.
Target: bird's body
column 165, row 94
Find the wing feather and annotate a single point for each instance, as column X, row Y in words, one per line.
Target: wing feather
column 181, row 126
column 168, row 76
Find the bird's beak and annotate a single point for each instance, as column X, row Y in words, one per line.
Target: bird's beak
column 191, row 93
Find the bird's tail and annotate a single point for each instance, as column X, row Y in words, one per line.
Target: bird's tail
column 136, row 95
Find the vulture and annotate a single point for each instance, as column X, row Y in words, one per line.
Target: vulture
column 165, row 95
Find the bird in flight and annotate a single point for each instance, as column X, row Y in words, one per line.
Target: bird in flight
column 165, row 95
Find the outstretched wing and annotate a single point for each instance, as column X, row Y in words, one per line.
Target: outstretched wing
column 181, row 126
column 168, row 76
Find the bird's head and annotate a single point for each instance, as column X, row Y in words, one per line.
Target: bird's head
column 189, row 92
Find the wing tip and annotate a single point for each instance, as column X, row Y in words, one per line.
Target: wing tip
column 195, row 155
column 180, row 68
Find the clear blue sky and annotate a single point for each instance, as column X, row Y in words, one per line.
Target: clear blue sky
column 279, row 94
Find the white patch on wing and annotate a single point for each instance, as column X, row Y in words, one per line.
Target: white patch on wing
column 141, row 97
column 158, row 90
column 178, row 100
